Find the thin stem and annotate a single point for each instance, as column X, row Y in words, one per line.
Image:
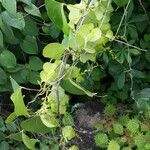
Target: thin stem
column 125, row 11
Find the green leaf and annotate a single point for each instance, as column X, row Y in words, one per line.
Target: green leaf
column 84, row 57
column 52, row 30
column 101, row 140
column 29, row 45
column 4, row 145
column 15, row 136
column 118, row 128
column 33, row 10
column 68, row 120
column 38, row 127
column 7, row 59
column 54, row 51
column 30, row 143
column 133, row 126
column 10, row 6
column 2, row 125
column 17, row 99
column 30, row 27
column 73, row 88
column 34, row 77
column 135, row 52
column 16, row 21
column 49, row 121
column 1, row 40
column 50, row 72
column 3, row 77
column 14, row 84
column 121, row 3
column 121, row 80
column 9, row 34
column 68, row 133
column 139, row 141
column 113, row 145
column 56, row 13
column 28, row 2
column 110, row 110
column 12, row 127
column 74, row 147
column 11, row 117
column 94, row 35
column 132, row 30
column 35, row 63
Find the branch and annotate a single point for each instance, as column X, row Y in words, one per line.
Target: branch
column 66, row 56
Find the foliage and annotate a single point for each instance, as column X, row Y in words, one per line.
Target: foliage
column 90, row 48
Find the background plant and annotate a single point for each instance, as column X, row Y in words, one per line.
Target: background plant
column 85, row 52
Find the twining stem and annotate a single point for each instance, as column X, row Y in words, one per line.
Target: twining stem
column 66, row 56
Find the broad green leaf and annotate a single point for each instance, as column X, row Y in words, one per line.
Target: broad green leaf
column 15, row 136
column 54, row 51
column 11, row 117
column 30, row 27
column 73, row 88
column 21, row 76
column 14, row 84
column 1, row 40
column 50, row 72
column 2, row 125
column 56, row 13
column 17, row 99
column 49, row 121
column 84, row 57
column 68, row 132
column 135, row 52
column 75, row 12
column 4, row 145
column 121, row 80
column 94, row 35
column 29, row 45
column 77, row 42
column 3, row 77
column 138, row 74
column 132, row 30
column 10, row 6
column 8, row 34
column 74, row 147
column 138, row 18
column 35, row 63
column 30, row 143
column 121, row 3
column 34, row 77
column 52, row 30
column 68, row 120
column 52, row 99
column 35, row 125
column 85, row 29
column 12, row 127
column 7, row 59
column 16, row 21
column 28, row 2
column 33, row 10
column 145, row 93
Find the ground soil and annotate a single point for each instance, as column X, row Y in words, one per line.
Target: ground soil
column 86, row 118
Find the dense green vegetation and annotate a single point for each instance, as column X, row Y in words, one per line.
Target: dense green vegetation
column 55, row 55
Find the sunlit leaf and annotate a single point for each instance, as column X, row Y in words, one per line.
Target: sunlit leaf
column 54, row 51
column 56, row 13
